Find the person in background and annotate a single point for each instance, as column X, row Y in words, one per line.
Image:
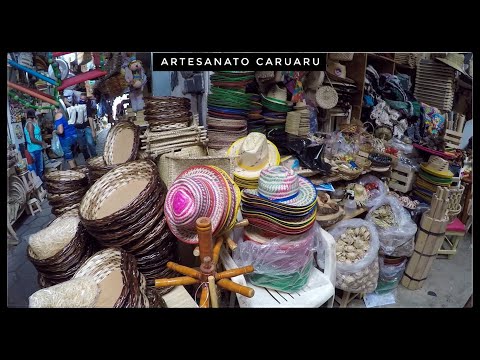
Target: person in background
column 35, row 143
column 67, row 135
column 86, row 134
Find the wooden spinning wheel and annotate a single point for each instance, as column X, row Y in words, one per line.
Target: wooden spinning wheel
column 208, row 277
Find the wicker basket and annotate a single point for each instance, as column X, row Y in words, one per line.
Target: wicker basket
column 97, row 168
column 173, row 164
column 341, row 56
column 62, row 266
column 115, row 180
column 122, row 144
column 108, row 260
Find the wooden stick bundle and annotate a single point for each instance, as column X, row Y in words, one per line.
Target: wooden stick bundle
column 429, row 239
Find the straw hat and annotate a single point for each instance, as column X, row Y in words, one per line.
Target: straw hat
column 282, row 185
column 341, row 56
column 254, row 153
column 278, row 93
column 437, row 166
column 455, row 61
column 337, row 71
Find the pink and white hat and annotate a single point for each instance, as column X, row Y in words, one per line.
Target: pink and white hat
column 198, row 191
column 282, row 185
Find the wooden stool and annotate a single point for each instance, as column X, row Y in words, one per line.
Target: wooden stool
column 456, row 230
column 41, row 193
column 27, row 180
column 347, row 297
column 34, row 206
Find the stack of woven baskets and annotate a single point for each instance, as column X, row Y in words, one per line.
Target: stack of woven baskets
column 121, row 146
column 65, row 189
column 165, row 113
column 155, row 143
column 121, row 284
column 58, row 250
column 125, row 209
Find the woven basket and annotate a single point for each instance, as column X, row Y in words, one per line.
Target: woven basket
column 173, row 164
column 65, row 181
column 104, row 262
column 97, row 168
column 62, row 266
column 455, row 197
column 122, row 144
column 341, row 56
column 326, row 97
column 62, row 210
column 114, row 182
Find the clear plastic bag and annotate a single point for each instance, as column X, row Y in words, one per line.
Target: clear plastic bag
column 389, row 275
column 396, row 240
column 56, row 145
column 374, row 195
column 283, row 263
column 361, row 276
column 400, row 145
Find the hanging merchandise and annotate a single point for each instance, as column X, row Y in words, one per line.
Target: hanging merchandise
column 136, row 79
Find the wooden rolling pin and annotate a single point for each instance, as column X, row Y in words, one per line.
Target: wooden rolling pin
column 213, row 291
column 232, row 245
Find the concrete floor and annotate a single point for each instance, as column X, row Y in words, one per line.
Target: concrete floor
column 450, row 283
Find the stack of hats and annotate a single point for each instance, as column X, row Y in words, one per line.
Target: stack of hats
column 435, row 84
column 275, row 108
column 432, row 174
column 167, row 112
column 201, row 191
column 124, row 208
column 229, row 106
column 284, row 202
column 254, row 153
column 65, row 189
column 59, row 250
column 256, row 122
column 298, row 121
column 227, row 115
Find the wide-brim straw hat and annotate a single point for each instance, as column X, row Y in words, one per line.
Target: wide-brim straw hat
column 455, row 61
column 341, row 56
column 282, row 186
column 437, row 166
column 338, row 72
column 271, row 157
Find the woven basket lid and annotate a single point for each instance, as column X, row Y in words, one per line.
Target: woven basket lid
column 326, row 97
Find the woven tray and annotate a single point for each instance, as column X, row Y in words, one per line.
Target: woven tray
column 122, row 144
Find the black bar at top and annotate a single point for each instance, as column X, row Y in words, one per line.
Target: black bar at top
column 238, row 61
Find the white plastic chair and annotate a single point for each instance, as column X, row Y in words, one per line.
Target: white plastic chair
column 319, row 289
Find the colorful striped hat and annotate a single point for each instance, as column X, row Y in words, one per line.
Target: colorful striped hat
column 282, row 185
column 201, row 191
